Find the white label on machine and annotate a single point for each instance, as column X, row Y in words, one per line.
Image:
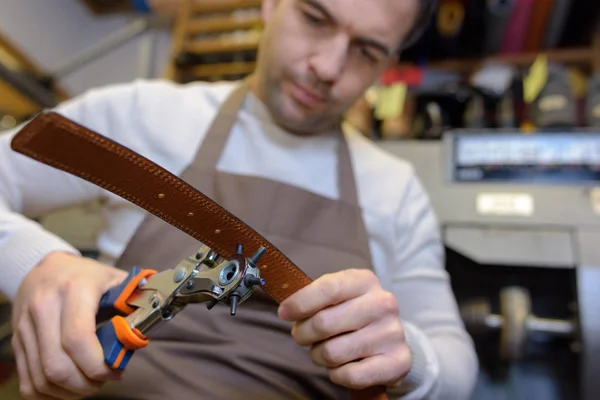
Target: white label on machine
column 595, row 199
column 507, row 204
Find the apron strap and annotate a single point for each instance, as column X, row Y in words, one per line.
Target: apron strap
column 218, row 132
column 346, row 179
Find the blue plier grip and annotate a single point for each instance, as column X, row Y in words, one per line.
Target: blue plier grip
column 117, row 338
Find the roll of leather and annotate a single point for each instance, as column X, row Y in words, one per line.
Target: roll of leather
column 556, row 106
column 497, row 17
column 516, row 31
column 450, row 19
column 505, row 112
column 556, row 22
column 475, row 113
column 537, row 26
column 433, row 121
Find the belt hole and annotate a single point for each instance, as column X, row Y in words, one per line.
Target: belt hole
column 161, row 195
column 285, row 286
column 217, row 231
column 190, row 214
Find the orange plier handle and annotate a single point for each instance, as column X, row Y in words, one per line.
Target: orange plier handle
column 119, row 340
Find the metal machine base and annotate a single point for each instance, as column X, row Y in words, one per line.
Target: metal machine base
column 505, row 229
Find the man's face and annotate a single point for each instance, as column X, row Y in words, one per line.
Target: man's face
column 317, row 57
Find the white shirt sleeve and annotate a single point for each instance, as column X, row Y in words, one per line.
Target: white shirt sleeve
column 29, row 189
column 445, row 364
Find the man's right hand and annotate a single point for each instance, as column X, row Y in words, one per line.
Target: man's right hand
column 57, row 352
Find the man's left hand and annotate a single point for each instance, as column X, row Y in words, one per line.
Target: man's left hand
column 353, row 328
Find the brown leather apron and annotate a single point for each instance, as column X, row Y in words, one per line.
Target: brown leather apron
column 203, row 354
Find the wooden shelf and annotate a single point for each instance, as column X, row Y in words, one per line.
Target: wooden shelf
column 214, row 6
column 206, row 25
column 228, row 35
column 223, row 69
column 12, row 57
column 14, row 103
column 220, row 46
column 578, row 56
column 104, row 7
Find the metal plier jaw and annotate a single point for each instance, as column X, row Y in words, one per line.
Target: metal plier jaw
column 147, row 298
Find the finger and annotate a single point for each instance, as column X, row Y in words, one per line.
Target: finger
column 346, row 317
column 57, row 366
column 26, row 388
column 328, row 290
column 373, row 371
column 41, row 384
column 349, row 347
column 25, row 384
column 78, row 327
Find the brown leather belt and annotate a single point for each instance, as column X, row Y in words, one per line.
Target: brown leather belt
column 55, row 140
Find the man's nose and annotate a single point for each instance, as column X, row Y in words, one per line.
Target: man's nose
column 329, row 61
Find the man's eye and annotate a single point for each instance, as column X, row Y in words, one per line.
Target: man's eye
column 368, row 55
column 314, row 19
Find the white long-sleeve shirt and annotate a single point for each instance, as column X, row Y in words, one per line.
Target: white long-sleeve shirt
column 166, row 123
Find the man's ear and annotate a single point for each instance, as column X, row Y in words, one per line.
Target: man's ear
column 268, row 8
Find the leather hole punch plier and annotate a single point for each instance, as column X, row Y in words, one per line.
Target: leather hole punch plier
column 147, row 298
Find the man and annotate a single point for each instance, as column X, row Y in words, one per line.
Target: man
column 380, row 310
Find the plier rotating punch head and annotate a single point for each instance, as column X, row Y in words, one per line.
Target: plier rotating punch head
column 147, row 298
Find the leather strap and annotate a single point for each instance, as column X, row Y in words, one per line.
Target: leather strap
column 61, row 143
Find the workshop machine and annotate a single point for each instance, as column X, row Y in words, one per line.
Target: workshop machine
column 520, row 218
